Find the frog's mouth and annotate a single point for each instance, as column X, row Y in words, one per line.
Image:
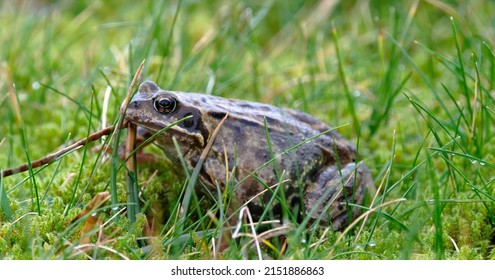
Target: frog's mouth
column 167, row 131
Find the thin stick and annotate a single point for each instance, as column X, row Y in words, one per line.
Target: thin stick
column 131, row 183
column 116, row 135
column 53, row 157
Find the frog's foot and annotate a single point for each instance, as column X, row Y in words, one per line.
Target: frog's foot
column 329, row 199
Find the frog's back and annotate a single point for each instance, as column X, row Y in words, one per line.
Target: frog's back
column 256, row 113
column 248, row 120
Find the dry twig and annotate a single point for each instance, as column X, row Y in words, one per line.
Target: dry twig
column 55, row 156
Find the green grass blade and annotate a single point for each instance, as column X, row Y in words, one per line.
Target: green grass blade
column 347, row 92
column 5, row 202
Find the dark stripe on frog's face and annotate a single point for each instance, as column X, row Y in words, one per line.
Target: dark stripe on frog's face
column 194, row 125
column 217, row 115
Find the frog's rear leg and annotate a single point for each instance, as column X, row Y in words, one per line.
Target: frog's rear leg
column 332, row 192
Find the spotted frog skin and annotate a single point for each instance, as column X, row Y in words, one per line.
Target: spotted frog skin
column 320, row 177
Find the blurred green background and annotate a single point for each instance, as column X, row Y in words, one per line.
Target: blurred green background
column 410, row 81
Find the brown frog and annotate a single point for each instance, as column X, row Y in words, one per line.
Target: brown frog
column 319, row 177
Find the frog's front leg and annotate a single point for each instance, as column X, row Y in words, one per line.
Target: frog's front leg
column 328, row 197
column 215, row 173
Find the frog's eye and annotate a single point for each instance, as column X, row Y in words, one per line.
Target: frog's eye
column 165, row 104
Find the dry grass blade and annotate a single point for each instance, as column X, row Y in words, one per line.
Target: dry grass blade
column 268, row 234
column 81, row 249
column 322, row 238
column 12, row 93
column 265, row 190
column 253, row 230
column 126, row 101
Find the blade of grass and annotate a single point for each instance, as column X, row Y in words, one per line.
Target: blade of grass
column 5, row 202
column 281, row 194
column 166, row 50
column 437, row 212
column 195, row 175
column 461, row 67
column 115, row 161
column 424, row 78
column 57, row 168
column 385, row 183
column 363, row 216
column 80, row 106
column 83, row 160
column 350, row 101
column 29, row 165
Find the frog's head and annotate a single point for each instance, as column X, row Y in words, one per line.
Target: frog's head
column 156, row 109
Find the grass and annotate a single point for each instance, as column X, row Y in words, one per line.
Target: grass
column 410, row 81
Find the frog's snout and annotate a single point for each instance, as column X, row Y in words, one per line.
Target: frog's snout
column 134, row 107
column 135, row 104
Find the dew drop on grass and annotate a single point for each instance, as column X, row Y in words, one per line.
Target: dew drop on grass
column 372, row 244
column 303, row 241
column 36, row 85
column 477, row 162
column 94, row 214
column 356, row 93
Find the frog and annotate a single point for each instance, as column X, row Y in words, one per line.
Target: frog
column 260, row 154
